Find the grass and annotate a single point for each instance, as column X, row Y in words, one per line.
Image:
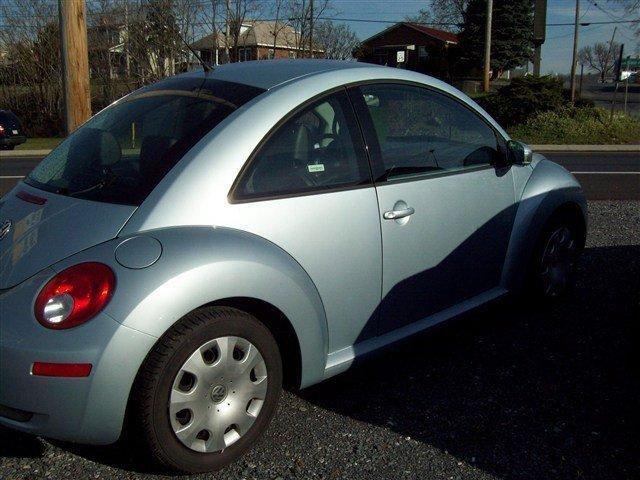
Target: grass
column 584, row 126
column 40, row 143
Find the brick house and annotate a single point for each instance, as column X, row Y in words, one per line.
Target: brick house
column 424, row 49
column 256, row 42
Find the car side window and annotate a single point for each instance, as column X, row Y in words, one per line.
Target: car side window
column 420, row 131
column 318, row 148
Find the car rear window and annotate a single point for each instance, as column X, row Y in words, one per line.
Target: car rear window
column 121, row 154
column 9, row 118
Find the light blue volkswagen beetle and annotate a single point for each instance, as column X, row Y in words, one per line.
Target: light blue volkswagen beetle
column 207, row 238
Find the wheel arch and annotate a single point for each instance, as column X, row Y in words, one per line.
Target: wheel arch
column 203, row 266
column 281, row 329
column 572, row 212
column 550, row 191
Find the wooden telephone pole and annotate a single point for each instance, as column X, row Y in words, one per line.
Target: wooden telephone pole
column 311, row 29
column 75, row 62
column 574, row 57
column 487, row 45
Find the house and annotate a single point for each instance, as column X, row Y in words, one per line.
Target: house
column 138, row 43
column 256, row 42
column 412, row 46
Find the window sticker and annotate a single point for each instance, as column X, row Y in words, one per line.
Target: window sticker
column 315, row 168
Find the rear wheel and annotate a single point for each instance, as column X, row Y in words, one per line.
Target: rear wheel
column 208, row 390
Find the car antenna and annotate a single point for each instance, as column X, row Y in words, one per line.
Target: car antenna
column 205, row 66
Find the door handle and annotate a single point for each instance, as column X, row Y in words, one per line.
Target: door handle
column 396, row 214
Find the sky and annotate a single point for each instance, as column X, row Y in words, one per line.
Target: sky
column 556, row 51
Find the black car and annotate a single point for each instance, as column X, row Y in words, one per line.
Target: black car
column 11, row 132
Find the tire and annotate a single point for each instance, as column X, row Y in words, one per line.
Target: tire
column 550, row 279
column 158, row 415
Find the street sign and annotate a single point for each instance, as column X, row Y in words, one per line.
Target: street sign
column 540, row 22
column 631, row 63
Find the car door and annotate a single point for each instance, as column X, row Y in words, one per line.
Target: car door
column 446, row 199
column 309, row 190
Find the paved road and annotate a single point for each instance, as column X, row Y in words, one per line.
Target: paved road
column 604, row 176
column 509, row 392
column 602, row 95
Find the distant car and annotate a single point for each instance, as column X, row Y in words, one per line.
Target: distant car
column 11, row 133
column 206, row 238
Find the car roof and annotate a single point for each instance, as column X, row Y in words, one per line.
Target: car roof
column 267, row 74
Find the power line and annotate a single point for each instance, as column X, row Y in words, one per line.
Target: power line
column 606, row 12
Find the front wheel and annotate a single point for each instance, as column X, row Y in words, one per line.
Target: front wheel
column 208, row 390
column 551, row 273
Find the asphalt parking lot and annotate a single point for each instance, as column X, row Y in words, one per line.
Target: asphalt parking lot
column 506, row 392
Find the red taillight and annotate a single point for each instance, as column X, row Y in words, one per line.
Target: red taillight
column 75, row 295
column 1, row 131
column 42, row 369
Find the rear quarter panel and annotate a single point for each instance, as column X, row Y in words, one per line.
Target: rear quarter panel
column 201, row 265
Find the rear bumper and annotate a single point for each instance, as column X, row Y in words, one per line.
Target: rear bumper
column 12, row 141
column 84, row 410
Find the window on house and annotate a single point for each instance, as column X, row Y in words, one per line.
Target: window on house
column 423, row 55
column 244, row 54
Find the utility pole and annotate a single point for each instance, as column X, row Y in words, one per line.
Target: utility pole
column 311, row 29
column 616, row 71
column 75, row 62
column 226, row 34
column 487, row 45
column 610, row 51
column 126, row 41
column 575, row 52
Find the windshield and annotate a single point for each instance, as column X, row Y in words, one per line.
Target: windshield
column 121, row 154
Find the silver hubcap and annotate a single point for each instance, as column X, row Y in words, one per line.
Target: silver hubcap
column 557, row 261
column 218, row 394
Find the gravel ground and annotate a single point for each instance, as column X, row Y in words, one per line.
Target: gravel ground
column 505, row 392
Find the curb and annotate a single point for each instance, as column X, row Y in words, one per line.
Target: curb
column 587, row 148
column 24, row 153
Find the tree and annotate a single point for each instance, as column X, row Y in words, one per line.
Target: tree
column 600, row 58
column 632, row 7
column 300, row 16
column 338, row 40
column 511, row 34
column 238, row 12
column 279, row 23
column 446, row 14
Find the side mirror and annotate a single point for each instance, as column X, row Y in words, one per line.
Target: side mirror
column 521, row 153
